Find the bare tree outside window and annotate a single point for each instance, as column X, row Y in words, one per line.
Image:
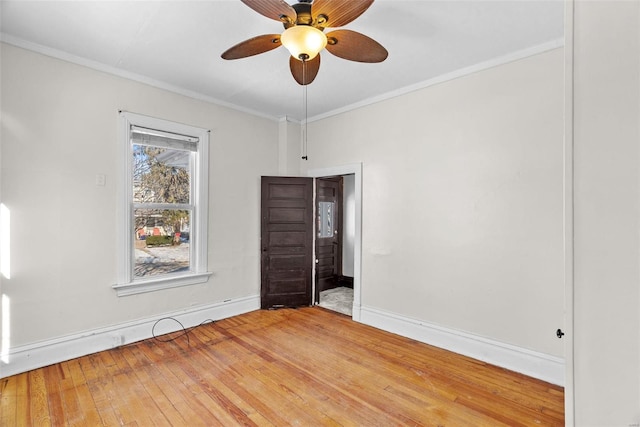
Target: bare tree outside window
column 161, row 197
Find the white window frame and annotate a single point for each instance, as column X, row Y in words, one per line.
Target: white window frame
column 127, row 284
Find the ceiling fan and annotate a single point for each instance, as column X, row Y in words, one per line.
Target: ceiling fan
column 304, row 36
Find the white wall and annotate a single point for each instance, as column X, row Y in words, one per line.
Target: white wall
column 289, row 148
column 462, row 201
column 607, row 209
column 59, row 129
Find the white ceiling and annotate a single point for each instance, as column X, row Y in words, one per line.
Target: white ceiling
column 177, row 45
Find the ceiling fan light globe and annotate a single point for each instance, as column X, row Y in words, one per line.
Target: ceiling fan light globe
column 303, row 41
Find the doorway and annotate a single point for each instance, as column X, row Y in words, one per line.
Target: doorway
column 350, row 277
column 334, row 243
column 288, row 264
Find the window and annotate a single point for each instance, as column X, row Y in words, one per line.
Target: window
column 325, row 219
column 162, row 224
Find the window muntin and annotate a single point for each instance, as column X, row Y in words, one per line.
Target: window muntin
column 163, row 222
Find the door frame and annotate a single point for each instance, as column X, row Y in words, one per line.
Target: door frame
column 569, row 237
column 356, row 170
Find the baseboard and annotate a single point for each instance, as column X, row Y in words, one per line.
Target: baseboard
column 25, row 358
column 345, row 281
column 534, row 364
column 538, row 365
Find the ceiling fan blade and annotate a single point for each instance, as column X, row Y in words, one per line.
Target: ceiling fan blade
column 354, row 46
column 304, row 72
column 339, row 12
column 273, row 9
column 253, row 46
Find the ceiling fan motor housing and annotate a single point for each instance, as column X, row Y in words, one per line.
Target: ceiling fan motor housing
column 303, row 15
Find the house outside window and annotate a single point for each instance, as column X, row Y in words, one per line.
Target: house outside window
column 162, row 223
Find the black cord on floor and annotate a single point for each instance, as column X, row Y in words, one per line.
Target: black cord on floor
column 185, row 331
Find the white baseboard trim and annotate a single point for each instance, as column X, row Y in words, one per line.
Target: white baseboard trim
column 25, row 358
column 531, row 363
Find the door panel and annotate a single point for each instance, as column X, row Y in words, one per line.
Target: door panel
column 328, row 233
column 287, row 239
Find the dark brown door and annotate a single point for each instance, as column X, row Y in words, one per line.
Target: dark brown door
column 287, row 241
column 328, row 233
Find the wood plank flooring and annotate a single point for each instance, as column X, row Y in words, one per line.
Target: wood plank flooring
column 301, row 367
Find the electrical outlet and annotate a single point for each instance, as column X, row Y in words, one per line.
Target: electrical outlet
column 117, row 341
column 101, row 179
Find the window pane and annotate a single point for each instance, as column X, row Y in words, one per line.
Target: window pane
column 325, row 219
column 161, row 241
column 160, row 175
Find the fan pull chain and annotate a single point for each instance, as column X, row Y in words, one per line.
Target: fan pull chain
column 304, row 100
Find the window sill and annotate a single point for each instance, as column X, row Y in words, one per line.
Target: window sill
column 157, row 284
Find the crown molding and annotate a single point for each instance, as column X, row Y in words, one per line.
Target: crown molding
column 505, row 59
column 481, row 66
column 99, row 66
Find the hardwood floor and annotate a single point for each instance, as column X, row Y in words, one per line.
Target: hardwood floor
column 287, row 367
